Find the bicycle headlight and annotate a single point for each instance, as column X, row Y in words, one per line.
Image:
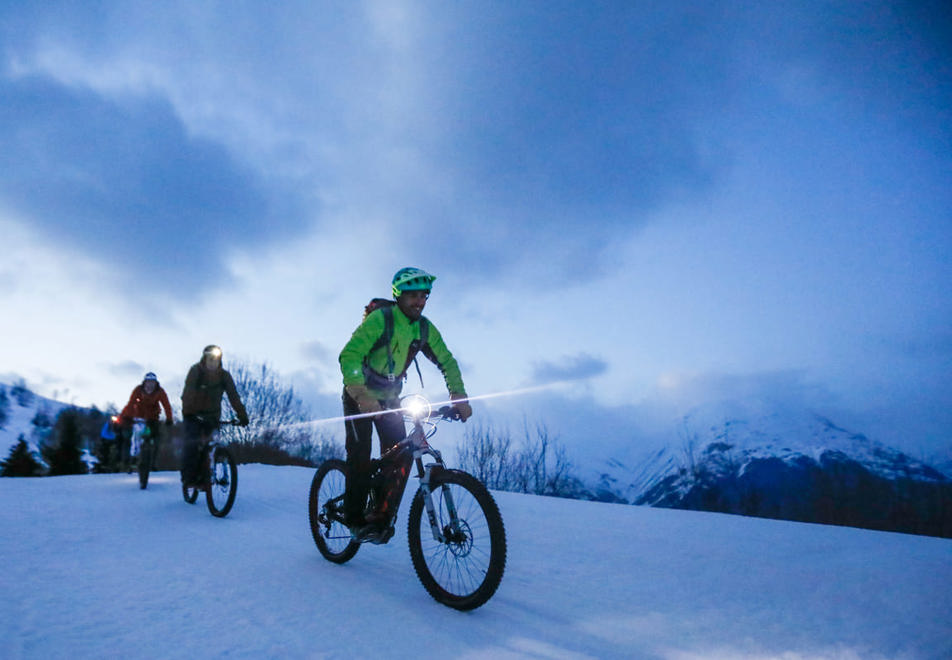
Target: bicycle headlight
column 417, row 406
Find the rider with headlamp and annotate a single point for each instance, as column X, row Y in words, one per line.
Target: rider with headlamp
column 205, row 385
column 374, row 364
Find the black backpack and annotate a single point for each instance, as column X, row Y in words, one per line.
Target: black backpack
column 386, row 306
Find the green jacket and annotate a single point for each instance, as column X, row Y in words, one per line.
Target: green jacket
column 357, row 352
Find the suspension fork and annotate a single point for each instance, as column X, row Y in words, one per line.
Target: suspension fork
column 426, row 474
column 428, row 503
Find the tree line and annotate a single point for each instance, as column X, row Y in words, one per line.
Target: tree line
column 535, row 462
column 280, row 433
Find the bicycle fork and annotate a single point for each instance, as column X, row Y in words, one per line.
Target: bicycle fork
column 439, row 533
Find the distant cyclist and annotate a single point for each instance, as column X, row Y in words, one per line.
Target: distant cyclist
column 143, row 404
column 205, row 385
column 374, row 363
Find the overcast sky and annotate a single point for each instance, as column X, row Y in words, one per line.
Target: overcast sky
column 662, row 204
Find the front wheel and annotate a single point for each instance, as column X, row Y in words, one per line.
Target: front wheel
column 145, row 463
column 190, row 493
column 464, row 570
column 325, row 512
column 223, row 483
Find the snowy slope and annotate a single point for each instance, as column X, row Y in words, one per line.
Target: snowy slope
column 93, row 567
column 20, row 420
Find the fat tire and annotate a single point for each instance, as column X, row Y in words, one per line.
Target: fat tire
column 479, row 573
column 145, row 463
column 221, row 456
column 190, row 493
column 328, row 483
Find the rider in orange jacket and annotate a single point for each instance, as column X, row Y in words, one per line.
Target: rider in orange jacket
column 144, row 404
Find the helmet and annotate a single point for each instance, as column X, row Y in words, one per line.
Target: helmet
column 150, row 376
column 212, row 351
column 411, row 279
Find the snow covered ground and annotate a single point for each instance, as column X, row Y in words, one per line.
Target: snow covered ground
column 93, row 567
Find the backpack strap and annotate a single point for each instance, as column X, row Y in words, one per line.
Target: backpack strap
column 384, row 339
column 415, row 346
column 424, row 331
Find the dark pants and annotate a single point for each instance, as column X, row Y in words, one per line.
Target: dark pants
column 123, row 438
column 196, row 431
column 390, row 430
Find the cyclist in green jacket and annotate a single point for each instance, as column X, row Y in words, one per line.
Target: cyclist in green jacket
column 373, row 370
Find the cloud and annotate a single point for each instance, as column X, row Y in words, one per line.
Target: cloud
column 556, row 131
column 123, row 179
column 578, row 367
column 316, row 351
column 126, row 368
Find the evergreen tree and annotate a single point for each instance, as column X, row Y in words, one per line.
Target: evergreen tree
column 64, row 455
column 42, row 420
column 20, row 462
column 4, row 406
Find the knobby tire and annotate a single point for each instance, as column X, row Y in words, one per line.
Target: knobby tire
column 464, row 573
column 223, row 483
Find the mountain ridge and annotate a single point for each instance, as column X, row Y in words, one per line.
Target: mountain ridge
column 824, row 473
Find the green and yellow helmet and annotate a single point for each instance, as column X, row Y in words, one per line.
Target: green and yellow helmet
column 411, row 279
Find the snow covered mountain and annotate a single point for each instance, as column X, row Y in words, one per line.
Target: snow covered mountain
column 26, row 414
column 801, row 467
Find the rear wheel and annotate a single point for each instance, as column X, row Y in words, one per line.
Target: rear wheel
column 325, row 512
column 223, row 484
column 464, row 570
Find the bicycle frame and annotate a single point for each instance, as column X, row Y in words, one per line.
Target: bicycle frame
column 416, row 442
column 206, row 450
column 207, row 444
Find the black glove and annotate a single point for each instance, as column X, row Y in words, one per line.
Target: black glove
column 243, row 420
column 169, row 422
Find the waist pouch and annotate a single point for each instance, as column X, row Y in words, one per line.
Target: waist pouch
column 389, row 386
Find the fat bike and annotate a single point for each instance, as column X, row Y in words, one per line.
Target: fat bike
column 456, row 535
column 219, row 475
